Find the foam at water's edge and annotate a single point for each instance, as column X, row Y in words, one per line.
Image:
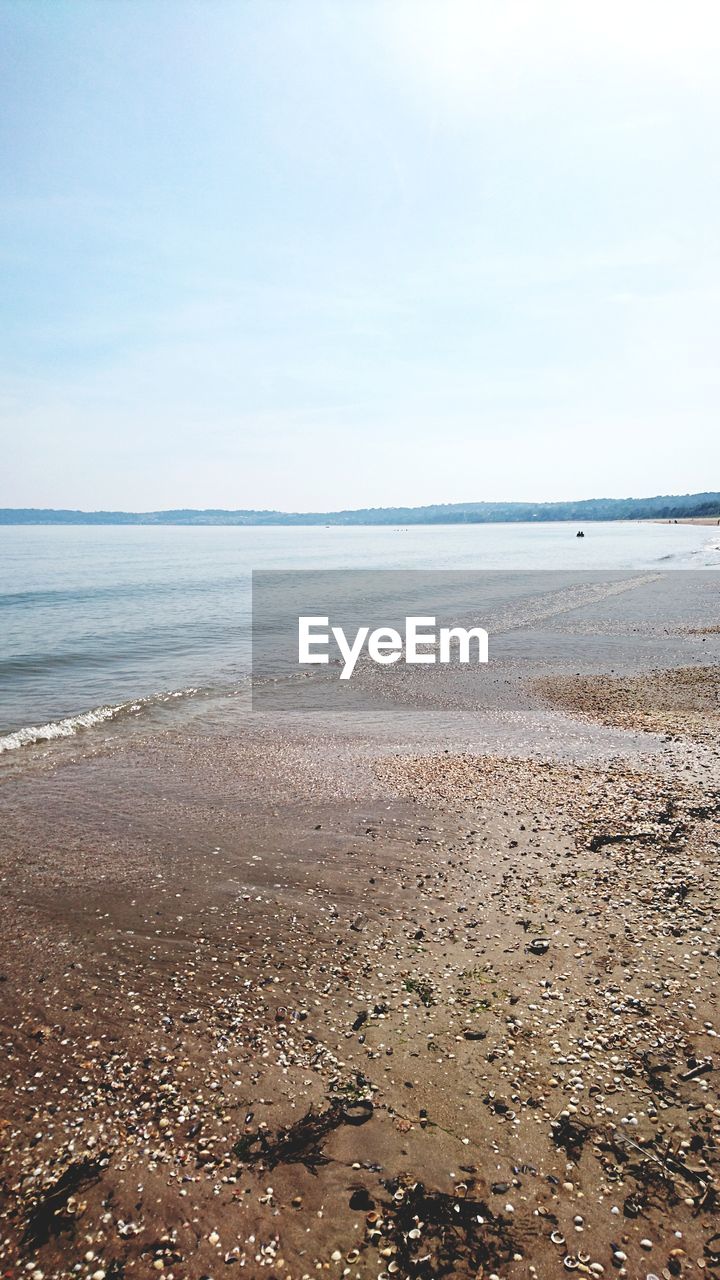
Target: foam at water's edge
column 66, row 728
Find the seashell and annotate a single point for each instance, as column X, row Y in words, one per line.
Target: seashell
column 357, row 1112
column 712, row 1249
column 570, row 1263
column 399, row 1196
column 352, row 1256
column 557, row 1237
column 372, row 1217
column 414, row 1234
column 583, row 1257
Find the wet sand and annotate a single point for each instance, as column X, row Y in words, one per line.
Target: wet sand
column 681, row 703
column 288, row 1007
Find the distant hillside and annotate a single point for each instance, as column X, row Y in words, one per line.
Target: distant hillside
column 671, row 507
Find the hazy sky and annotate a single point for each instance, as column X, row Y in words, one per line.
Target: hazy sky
column 272, row 253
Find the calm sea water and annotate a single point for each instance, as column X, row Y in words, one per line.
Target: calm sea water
column 93, row 619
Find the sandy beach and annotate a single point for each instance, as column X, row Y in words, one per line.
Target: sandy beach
column 359, row 641
column 296, row 1005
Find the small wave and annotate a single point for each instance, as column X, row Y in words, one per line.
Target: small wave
column 70, row 725
column 707, row 556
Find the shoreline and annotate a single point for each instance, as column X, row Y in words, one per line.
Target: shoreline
column 710, row 521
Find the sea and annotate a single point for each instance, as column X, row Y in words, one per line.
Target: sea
column 100, row 624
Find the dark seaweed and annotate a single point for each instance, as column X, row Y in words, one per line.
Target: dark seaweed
column 299, row 1143
column 458, row 1235
column 49, row 1215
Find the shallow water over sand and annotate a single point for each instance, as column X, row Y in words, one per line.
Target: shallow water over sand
column 105, row 623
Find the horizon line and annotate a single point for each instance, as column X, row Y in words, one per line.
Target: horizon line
column 400, row 506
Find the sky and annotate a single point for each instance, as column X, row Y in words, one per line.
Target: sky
column 302, row 255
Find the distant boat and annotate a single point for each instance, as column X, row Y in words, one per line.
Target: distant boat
column 579, row 534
